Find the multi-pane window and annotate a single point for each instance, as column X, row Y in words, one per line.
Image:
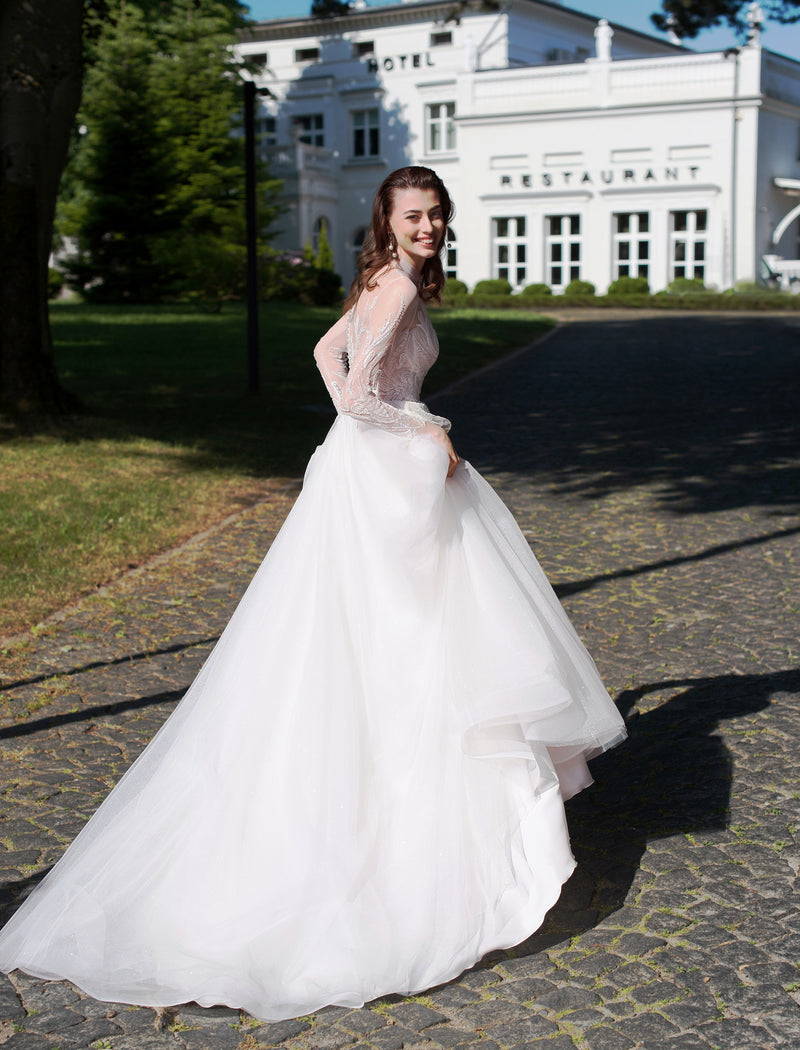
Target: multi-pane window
column 632, row 244
column 440, row 126
column 366, row 132
column 267, row 131
column 510, row 249
column 688, row 232
column 312, row 129
column 451, row 258
column 358, row 244
column 563, row 249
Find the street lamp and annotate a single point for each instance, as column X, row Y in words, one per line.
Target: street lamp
column 251, row 221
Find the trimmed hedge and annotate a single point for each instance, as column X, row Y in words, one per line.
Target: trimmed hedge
column 688, row 286
column 536, row 291
column 629, row 286
column 577, row 287
column 454, row 289
column 765, row 301
column 493, row 286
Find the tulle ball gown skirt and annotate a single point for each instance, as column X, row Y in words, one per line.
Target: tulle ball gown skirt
column 362, row 792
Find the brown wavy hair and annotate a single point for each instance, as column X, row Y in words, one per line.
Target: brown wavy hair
column 376, row 254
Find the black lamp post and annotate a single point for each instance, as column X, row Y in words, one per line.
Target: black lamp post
column 251, row 217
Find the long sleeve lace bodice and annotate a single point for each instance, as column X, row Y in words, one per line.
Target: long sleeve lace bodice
column 375, row 357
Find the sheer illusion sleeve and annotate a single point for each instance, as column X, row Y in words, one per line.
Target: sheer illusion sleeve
column 330, row 354
column 377, row 322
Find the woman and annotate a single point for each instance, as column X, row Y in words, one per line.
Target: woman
column 362, row 792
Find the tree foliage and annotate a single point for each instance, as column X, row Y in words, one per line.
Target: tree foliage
column 154, row 197
column 687, row 18
column 329, row 8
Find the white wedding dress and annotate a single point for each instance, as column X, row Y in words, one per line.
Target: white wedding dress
column 362, row 792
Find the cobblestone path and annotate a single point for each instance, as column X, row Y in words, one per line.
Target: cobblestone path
column 654, row 466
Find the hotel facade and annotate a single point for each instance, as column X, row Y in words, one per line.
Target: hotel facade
column 572, row 148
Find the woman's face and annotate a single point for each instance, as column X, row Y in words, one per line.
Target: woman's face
column 417, row 223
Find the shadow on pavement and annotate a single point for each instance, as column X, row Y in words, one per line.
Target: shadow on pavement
column 671, row 777
column 129, row 658
column 568, row 587
column 86, row 714
column 704, row 408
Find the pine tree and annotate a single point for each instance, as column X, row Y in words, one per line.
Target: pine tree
column 324, row 252
column 156, row 195
column 119, row 175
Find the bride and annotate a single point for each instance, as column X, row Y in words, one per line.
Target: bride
column 362, row 791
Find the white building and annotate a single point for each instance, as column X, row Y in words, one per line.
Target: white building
column 571, row 148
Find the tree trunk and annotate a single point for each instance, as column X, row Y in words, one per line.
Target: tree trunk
column 40, row 88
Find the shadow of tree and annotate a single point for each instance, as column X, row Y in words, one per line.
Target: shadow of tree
column 672, row 776
column 701, row 409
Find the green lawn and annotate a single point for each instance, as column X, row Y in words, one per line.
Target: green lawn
column 168, row 440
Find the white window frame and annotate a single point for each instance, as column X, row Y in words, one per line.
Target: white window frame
column 562, row 247
column 367, row 122
column 311, row 128
column 510, row 249
column 267, row 130
column 440, row 127
column 690, row 243
column 632, row 246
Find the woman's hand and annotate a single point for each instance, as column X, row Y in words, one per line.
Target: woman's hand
column 440, row 435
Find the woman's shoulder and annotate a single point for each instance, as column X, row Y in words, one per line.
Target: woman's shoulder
column 393, row 282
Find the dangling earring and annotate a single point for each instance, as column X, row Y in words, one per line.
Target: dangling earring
column 394, row 249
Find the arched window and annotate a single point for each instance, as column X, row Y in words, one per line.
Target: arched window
column 318, row 224
column 451, row 258
column 358, row 244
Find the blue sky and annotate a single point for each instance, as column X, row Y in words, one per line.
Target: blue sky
column 633, row 13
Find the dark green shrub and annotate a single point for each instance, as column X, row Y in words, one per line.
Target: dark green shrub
column 326, row 288
column 577, row 287
column 292, row 278
column 55, row 283
column 536, row 291
column 454, row 289
column 493, row 286
column 629, row 286
column 687, row 286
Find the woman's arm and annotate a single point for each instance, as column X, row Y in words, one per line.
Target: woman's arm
column 330, row 353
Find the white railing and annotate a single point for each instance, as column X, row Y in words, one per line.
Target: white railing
column 783, row 272
column 299, row 156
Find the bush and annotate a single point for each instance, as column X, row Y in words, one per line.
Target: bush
column 494, row 286
column 629, row 286
column 326, row 288
column 292, row 278
column 55, row 283
column 751, row 288
column 454, row 289
column 577, row 287
column 536, row 291
column 687, row 286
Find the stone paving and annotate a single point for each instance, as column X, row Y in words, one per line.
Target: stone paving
column 654, row 465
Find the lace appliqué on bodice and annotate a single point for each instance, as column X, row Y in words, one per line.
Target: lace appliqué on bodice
column 374, row 359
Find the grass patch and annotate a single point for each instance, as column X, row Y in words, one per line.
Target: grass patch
column 168, row 441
